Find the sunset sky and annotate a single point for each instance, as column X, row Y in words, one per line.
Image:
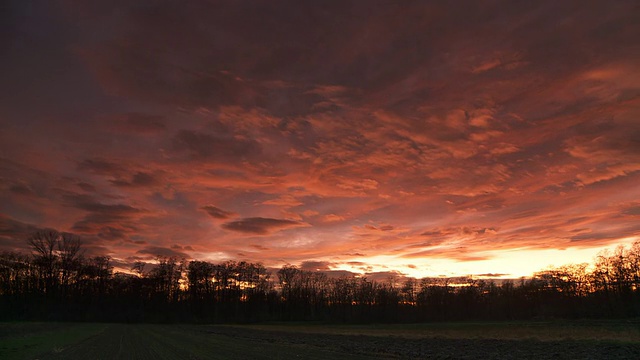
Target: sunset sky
column 413, row 137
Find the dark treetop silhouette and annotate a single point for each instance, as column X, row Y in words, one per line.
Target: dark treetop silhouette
column 56, row 282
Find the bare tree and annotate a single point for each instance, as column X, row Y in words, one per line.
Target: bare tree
column 68, row 253
column 138, row 268
column 44, row 243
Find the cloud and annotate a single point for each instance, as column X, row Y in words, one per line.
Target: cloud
column 260, row 225
column 285, row 201
column 180, row 247
column 22, row 189
column 413, row 130
column 107, row 232
column 139, row 179
column 136, row 123
column 633, row 210
column 381, row 228
column 332, row 218
column 86, row 187
column 385, row 276
column 88, row 203
column 14, row 231
column 455, row 253
column 208, row 146
column 596, row 236
column 315, row 265
column 162, row 251
column 491, row 275
column 108, row 221
column 606, row 151
column 100, row 166
column 310, row 213
column 217, row 213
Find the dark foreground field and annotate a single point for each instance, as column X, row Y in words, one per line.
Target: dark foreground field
column 531, row 340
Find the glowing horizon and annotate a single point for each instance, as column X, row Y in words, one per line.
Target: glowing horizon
column 420, row 139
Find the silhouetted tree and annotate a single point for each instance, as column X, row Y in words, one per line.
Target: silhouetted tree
column 44, row 244
column 166, row 277
column 55, row 282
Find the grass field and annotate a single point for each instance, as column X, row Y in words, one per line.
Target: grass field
column 503, row 340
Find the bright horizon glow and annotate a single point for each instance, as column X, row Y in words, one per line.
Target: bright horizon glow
column 421, row 140
column 513, row 263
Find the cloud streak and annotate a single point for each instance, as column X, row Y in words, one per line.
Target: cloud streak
column 217, row 213
column 260, row 225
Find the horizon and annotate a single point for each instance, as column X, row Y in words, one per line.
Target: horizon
column 423, row 139
column 61, row 243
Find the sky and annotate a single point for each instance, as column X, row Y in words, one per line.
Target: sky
column 415, row 138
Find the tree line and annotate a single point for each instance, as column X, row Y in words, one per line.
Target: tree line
column 56, row 282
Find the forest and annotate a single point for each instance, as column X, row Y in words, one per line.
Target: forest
column 55, row 282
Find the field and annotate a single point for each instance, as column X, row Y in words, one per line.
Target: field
column 502, row 340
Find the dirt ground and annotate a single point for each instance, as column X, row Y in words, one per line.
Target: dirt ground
column 440, row 348
column 145, row 341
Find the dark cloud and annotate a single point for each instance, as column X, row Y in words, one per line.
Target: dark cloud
column 315, row 265
column 14, row 230
column 381, row 228
column 109, row 221
column 86, row 187
column 100, row 166
column 459, row 253
column 260, row 225
column 14, row 235
column 209, row 70
column 208, row 146
column 455, row 231
column 21, row 189
column 107, row 232
column 595, row 236
column 386, row 276
column 204, row 60
column 107, row 226
column 139, row 179
column 632, row 210
column 337, row 274
column 88, row 203
column 136, row 123
column 143, row 179
column 491, row 275
column 355, row 254
column 217, row 213
column 362, row 266
column 162, row 251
